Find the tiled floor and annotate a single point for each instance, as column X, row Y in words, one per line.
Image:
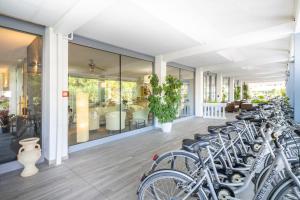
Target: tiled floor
column 107, row 172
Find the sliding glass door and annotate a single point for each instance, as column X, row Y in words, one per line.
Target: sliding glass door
column 187, row 91
column 135, row 89
column 108, row 94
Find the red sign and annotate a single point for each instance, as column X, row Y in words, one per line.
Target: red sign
column 65, row 93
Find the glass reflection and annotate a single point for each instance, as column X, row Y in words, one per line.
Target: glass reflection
column 187, row 91
column 108, row 94
column 135, row 89
column 20, row 90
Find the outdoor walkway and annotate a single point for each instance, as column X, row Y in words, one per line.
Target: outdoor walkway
column 107, row 172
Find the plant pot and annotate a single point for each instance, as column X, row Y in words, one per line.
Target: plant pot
column 166, row 127
column 28, row 155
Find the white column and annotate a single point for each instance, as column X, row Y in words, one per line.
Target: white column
column 13, row 103
column 199, row 92
column 296, row 78
column 231, row 89
column 219, row 87
column 241, row 91
column 160, row 68
column 55, row 107
column 290, row 84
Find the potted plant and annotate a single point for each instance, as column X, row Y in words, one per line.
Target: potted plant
column 164, row 100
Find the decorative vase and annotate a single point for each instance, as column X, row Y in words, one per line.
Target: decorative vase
column 28, row 155
column 166, row 127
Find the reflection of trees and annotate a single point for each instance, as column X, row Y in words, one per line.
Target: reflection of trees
column 129, row 90
column 85, row 85
column 111, row 88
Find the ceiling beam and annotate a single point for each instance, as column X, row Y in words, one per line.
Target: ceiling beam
column 278, row 72
column 81, row 13
column 264, row 79
column 254, row 73
column 252, row 38
column 248, row 63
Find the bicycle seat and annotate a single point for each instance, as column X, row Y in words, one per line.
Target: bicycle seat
column 232, row 123
column 214, row 132
column 198, row 137
column 199, row 145
column 297, row 131
column 216, row 127
column 257, row 120
column 246, row 117
column 193, row 145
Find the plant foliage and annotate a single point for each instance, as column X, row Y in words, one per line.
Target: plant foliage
column 246, row 94
column 237, row 93
column 165, row 98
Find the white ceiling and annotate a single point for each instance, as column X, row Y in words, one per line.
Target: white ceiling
column 13, row 46
column 160, row 27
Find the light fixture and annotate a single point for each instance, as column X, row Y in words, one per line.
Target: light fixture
column 82, row 112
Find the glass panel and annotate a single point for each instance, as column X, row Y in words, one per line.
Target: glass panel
column 20, row 90
column 225, row 89
column 94, row 86
column 135, row 89
column 187, row 93
column 206, row 88
column 173, row 71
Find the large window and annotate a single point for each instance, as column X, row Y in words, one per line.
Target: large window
column 135, row 89
column 210, row 80
column 187, row 92
column 173, row 71
column 108, row 94
column 20, row 90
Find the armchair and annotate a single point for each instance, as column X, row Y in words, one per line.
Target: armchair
column 113, row 120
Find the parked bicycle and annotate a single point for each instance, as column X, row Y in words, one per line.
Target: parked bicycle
column 260, row 148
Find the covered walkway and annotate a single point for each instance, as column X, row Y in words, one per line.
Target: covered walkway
column 107, row 172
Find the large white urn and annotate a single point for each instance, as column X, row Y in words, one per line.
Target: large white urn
column 28, row 155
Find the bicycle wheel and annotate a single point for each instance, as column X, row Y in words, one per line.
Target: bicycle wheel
column 286, row 189
column 182, row 161
column 167, row 184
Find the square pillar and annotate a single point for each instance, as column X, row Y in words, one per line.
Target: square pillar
column 231, row 89
column 241, row 90
column 219, row 87
column 199, row 92
column 290, row 84
column 55, row 107
column 160, row 68
column 296, row 79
